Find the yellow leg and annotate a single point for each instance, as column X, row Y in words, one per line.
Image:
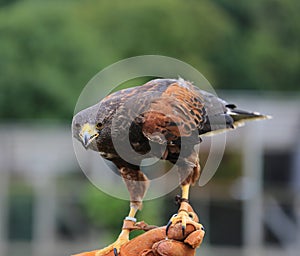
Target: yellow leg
column 185, row 191
column 182, row 216
column 123, row 238
column 132, row 211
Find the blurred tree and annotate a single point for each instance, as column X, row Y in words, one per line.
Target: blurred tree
column 274, row 46
column 46, row 56
column 265, row 53
column 7, row 2
column 50, row 49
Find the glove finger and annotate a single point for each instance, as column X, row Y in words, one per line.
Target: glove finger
column 173, row 248
column 195, row 239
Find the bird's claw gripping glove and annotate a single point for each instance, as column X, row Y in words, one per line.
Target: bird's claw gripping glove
column 155, row 243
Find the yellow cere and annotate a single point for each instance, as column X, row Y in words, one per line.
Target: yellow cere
column 90, row 129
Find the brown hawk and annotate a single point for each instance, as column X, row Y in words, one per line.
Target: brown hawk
column 166, row 114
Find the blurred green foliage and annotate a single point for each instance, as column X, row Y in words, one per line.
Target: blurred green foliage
column 230, row 168
column 50, row 49
column 116, row 209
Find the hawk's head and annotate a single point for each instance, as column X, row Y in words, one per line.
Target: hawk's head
column 86, row 128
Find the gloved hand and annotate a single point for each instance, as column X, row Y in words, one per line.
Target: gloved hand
column 154, row 242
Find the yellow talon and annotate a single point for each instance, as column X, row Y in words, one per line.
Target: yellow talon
column 185, row 216
column 180, row 217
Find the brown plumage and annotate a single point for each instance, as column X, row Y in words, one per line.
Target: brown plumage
column 166, row 114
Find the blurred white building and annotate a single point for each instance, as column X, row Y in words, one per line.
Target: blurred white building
column 255, row 213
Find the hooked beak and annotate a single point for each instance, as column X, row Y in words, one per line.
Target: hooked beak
column 88, row 134
column 86, row 139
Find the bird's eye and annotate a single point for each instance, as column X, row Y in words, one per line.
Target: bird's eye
column 99, row 126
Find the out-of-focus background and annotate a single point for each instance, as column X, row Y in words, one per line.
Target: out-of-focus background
column 248, row 50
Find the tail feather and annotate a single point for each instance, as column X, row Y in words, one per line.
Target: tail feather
column 240, row 116
column 233, row 118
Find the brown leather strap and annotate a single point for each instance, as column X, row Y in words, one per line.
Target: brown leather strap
column 131, row 225
column 179, row 199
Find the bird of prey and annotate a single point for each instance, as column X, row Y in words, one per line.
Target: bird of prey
column 166, row 114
